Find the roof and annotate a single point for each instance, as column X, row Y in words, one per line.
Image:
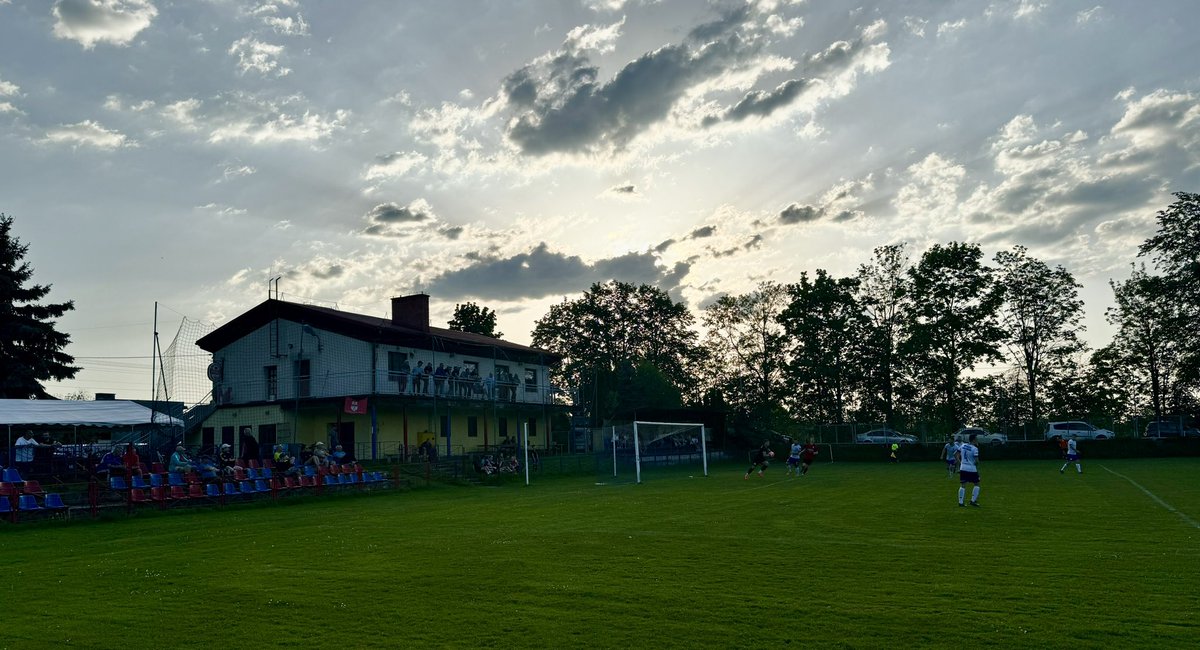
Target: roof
column 373, row 329
column 102, row 413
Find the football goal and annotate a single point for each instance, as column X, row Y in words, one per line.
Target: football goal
column 640, row 445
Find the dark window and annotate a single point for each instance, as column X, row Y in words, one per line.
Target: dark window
column 532, row 427
column 272, row 375
column 472, row 426
column 227, row 436
column 266, row 439
column 502, row 428
column 395, row 361
column 445, row 428
column 207, row 438
column 531, row 380
column 471, row 367
column 303, row 377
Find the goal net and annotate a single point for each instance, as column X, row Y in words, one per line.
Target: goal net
column 631, row 449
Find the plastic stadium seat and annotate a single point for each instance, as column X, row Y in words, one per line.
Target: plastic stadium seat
column 307, row 481
column 11, row 475
column 33, row 487
column 5, row 507
column 158, row 468
column 29, row 503
column 157, row 480
column 329, row 480
column 261, row 486
column 175, row 478
column 179, row 492
column 196, row 491
column 267, row 463
column 8, row 489
column 117, row 483
column 264, row 473
column 335, row 470
column 290, row 483
column 239, row 474
column 252, row 462
column 139, row 482
column 191, row 477
column 309, row 470
column 138, row 496
column 54, row 502
column 231, row 489
column 247, row 488
column 159, row 494
column 212, row 490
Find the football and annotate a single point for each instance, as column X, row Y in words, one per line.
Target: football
column 770, row 454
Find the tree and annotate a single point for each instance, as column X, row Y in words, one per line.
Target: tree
column 744, row 342
column 616, row 324
column 469, row 317
column 1175, row 249
column 1150, row 327
column 1041, row 316
column 883, row 288
column 825, row 327
column 954, row 326
column 31, row 349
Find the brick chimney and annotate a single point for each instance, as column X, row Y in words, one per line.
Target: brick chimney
column 411, row 311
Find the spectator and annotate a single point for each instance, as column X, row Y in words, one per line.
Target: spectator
column 180, row 462
column 402, row 375
column 320, row 455
column 226, row 460
column 489, row 387
column 426, row 374
column 338, row 456
column 43, row 454
column 425, row 449
column 439, row 380
column 249, row 446
column 284, row 463
column 110, row 464
column 131, row 460
column 25, row 446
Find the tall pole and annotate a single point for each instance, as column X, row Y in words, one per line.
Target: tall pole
column 153, row 356
column 525, row 444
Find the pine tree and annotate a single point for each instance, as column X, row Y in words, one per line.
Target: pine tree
column 31, row 350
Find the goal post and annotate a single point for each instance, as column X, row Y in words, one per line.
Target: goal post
column 639, row 444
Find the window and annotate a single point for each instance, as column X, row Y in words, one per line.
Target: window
column 472, row 426
column 272, row 376
column 502, row 428
column 266, row 439
column 396, row 361
column 207, row 438
column 303, row 370
column 472, row 367
column 532, row 427
column 227, row 436
column 531, row 380
column 445, row 428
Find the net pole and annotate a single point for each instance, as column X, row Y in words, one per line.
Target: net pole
column 637, row 453
column 614, row 448
column 525, row 445
column 704, row 448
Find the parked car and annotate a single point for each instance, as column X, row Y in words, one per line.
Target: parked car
column 1173, row 428
column 982, row 436
column 885, row 437
column 1080, row 429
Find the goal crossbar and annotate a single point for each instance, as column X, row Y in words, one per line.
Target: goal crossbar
column 637, row 443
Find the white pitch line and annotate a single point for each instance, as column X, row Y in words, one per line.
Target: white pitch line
column 1169, row 507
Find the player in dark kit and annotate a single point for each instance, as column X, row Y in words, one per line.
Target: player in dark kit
column 807, row 454
column 758, row 459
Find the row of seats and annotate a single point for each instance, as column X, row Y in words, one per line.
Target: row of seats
column 166, row 493
column 29, row 503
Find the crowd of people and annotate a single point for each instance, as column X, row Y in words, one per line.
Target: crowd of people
column 457, row 381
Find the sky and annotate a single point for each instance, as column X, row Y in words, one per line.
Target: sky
column 511, row 153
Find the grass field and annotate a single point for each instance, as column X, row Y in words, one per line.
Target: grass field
column 852, row 556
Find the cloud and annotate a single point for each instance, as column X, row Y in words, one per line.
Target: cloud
column 393, row 165
column 703, row 232
column 796, row 213
column 541, row 272
column 626, row 189
column 758, row 103
column 89, row 22
column 395, row 220
column 328, row 273
column 1093, row 15
column 7, row 107
column 87, row 133
column 256, row 56
column 8, row 89
column 244, row 117
column 603, row 40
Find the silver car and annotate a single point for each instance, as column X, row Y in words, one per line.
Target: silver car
column 982, row 436
column 1077, row 428
column 885, row 437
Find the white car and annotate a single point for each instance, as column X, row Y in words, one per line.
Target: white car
column 885, row 437
column 1077, row 428
column 982, row 436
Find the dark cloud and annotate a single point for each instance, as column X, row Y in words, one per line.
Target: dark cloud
column 542, row 272
column 624, row 189
column 761, row 104
column 451, row 232
column 795, row 213
column 711, row 300
column 392, row 213
column 662, row 248
column 702, row 232
column 335, row 271
column 562, row 108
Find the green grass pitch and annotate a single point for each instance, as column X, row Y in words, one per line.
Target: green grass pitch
column 852, row 556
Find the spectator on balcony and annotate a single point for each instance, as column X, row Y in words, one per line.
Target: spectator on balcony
column 489, row 387
column 439, row 380
column 402, row 375
column 426, row 375
column 475, row 386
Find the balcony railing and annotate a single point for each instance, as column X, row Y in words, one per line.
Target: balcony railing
column 359, row 384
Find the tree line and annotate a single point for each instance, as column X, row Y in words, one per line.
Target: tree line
column 945, row 338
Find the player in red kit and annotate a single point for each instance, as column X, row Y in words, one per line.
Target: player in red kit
column 807, row 454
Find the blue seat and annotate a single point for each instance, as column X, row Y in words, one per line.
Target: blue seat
column 117, row 483
column 11, row 475
column 330, row 479
column 309, row 470
column 352, row 479
column 54, row 502
column 261, row 486
column 251, row 473
column 139, row 482
column 29, row 503
column 265, row 473
column 247, row 487
column 212, row 490
column 231, row 488
column 157, row 480
column 176, row 478
column 5, row 506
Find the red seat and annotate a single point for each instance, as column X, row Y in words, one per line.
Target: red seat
column 158, row 494
column 179, row 492
column 268, row 463
column 335, row 470
column 159, row 468
column 308, row 481
column 191, row 477
column 138, row 495
column 195, row 491
column 290, row 483
column 239, row 474
column 252, row 463
column 33, row 487
column 8, row 489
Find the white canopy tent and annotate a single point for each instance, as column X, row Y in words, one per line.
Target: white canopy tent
column 102, row 413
